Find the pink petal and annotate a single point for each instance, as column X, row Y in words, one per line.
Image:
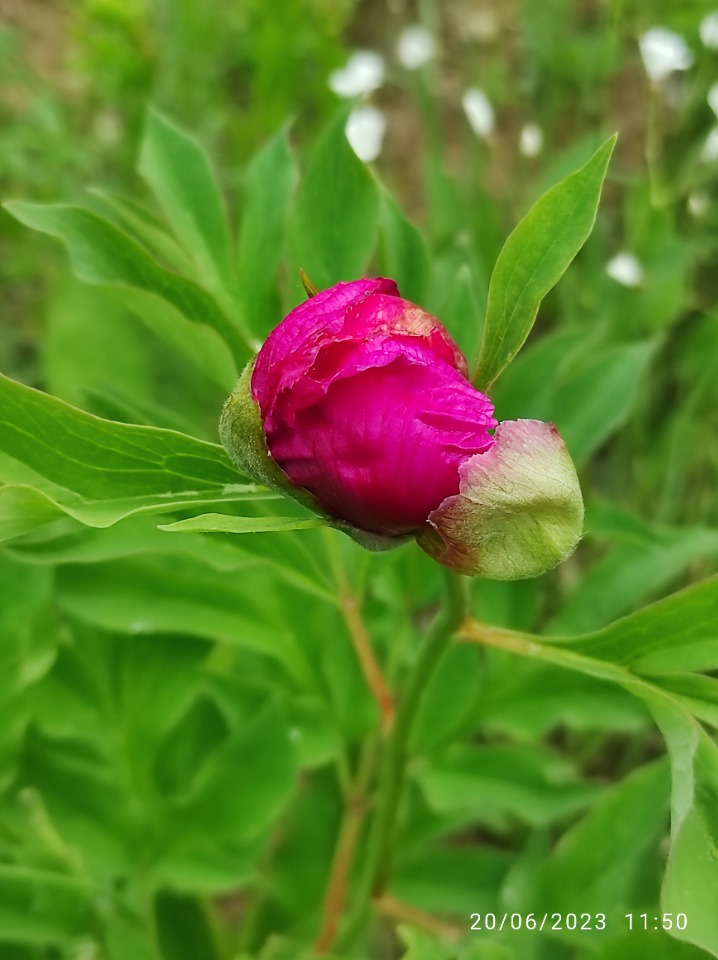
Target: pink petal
column 310, row 340
column 382, row 446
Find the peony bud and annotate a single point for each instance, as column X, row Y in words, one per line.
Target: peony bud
column 359, row 406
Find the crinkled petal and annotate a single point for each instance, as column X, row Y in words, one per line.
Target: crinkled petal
column 290, row 348
column 519, row 510
column 382, row 448
column 339, row 361
column 311, row 337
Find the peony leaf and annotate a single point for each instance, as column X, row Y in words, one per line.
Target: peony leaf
column 225, row 523
column 179, row 172
column 103, row 255
column 57, row 460
column 534, row 258
column 334, row 221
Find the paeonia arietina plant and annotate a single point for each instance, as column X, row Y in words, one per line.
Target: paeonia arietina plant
column 294, row 733
column 359, row 405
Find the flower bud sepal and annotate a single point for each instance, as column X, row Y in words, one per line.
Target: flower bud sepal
column 519, row 511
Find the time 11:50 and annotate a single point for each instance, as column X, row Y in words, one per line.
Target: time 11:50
column 644, row 921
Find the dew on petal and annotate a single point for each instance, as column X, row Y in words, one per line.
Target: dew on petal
column 531, row 140
column 479, row 112
column 415, row 47
column 663, row 52
column 363, row 73
column 365, row 130
column 625, row 269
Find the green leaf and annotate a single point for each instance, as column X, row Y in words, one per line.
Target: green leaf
column 202, row 345
column 334, row 220
column 244, row 782
column 598, row 864
column 131, row 218
column 494, row 784
column 224, row 523
column 268, row 187
column 460, row 312
column 597, row 395
column 102, row 254
column 674, row 635
column 180, row 174
column 233, row 798
column 27, row 651
column 41, row 907
column 691, row 880
column 405, row 252
column 440, row 717
column 67, row 461
column 451, row 880
column 629, row 574
column 671, row 637
column 178, row 594
column 533, row 259
column 528, row 700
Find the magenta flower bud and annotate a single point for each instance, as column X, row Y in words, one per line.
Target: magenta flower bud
column 359, row 405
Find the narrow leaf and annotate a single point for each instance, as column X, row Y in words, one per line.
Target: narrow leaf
column 334, row 221
column 40, row 907
column 268, row 186
column 534, row 258
column 55, row 458
column 180, row 174
column 101, row 254
column 224, row 523
column 405, row 252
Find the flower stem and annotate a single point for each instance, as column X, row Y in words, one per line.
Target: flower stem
column 356, row 807
column 380, row 850
column 404, row 913
column 351, row 613
column 370, row 667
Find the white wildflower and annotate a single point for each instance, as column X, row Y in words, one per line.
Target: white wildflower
column 531, row 140
column 625, row 269
column 709, row 153
column 479, row 112
column 363, row 73
column 415, row 47
column 664, row 52
column 708, row 30
column 365, row 132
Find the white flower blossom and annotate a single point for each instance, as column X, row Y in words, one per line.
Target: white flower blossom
column 363, row 73
column 415, row 47
column 365, row 130
column 664, row 52
column 625, row 269
column 708, row 30
column 709, row 153
column 479, row 112
column 531, row 140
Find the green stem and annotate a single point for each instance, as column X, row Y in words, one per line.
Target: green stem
column 380, row 851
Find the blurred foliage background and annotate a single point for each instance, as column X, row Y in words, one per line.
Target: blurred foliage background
column 470, row 126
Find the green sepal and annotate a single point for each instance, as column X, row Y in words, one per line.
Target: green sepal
column 519, row 510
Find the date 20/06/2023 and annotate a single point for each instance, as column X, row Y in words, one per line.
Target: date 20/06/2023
column 491, row 922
